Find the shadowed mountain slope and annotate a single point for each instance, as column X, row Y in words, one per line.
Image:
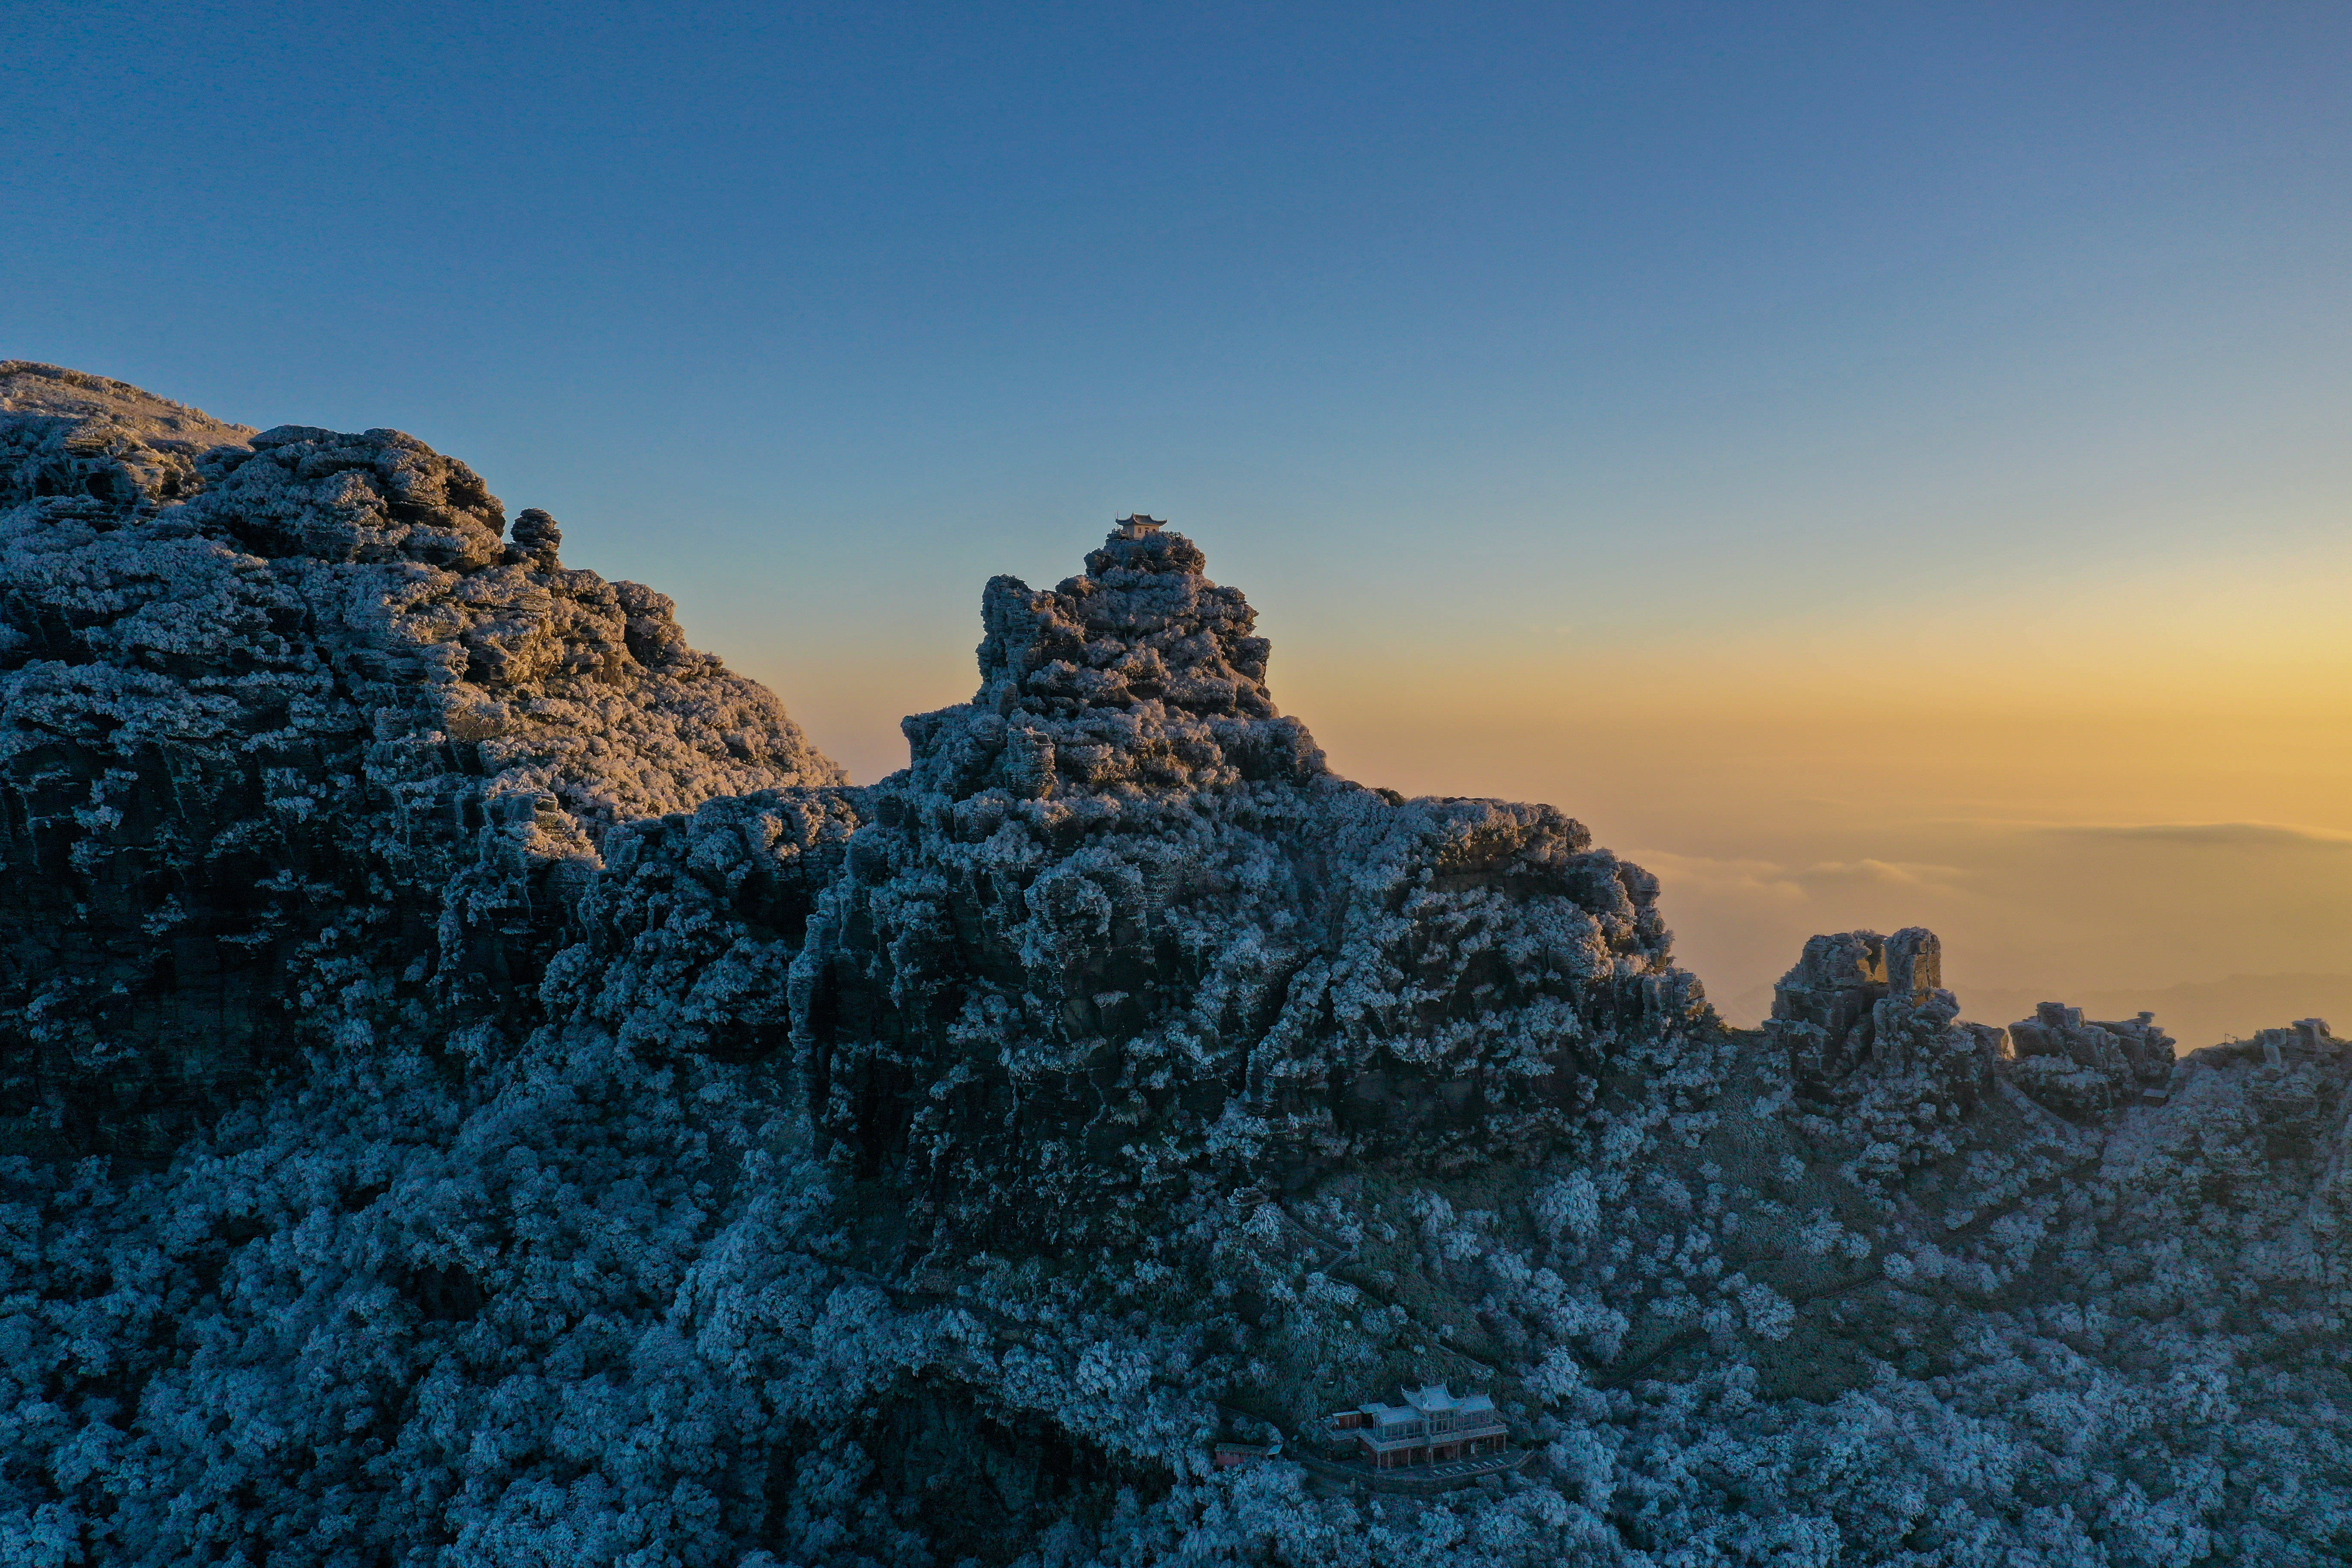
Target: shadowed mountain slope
column 282, row 710
column 481, row 1090
column 1118, row 929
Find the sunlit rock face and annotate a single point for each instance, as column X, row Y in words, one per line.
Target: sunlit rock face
column 1119, row 931
column 69, row 437
column 282, row 714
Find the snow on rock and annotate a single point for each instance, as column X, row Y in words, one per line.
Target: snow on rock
column 2087, row 1070
column 1118, row 930
column 280, row 710
column 1865, row 1024
column 65, row 433
column 543, row 1113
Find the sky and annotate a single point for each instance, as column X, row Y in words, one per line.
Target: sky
column 1875, row 464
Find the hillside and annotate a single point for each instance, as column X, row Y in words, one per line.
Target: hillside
column 481, row 1087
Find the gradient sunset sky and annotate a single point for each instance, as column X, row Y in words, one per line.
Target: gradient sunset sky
column 1875, row 464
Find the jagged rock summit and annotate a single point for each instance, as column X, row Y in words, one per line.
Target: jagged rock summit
column 1139, row 675
column 1118, row 935
column 65, row 433
column 540, row 1110
column 278, row 705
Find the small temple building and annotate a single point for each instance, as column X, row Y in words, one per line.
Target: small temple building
column 1433, row 1427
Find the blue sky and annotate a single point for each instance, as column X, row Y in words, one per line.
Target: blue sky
column 1521, row 349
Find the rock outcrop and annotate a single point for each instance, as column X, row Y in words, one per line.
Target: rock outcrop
column 282, row 714
column 2087, row 1070
column 1860, row 1004
column 69, row 437
column 1116, row 935
column 543, row 1113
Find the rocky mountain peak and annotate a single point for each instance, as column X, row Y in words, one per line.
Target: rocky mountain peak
column 65, row 433
column 1140, row 674
column 276, row 701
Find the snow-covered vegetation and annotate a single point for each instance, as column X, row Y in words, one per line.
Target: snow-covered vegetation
column 482, row 1090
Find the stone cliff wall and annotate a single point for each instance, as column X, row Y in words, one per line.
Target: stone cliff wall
column 284, row 713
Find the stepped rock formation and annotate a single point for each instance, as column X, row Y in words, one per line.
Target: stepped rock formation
column 480, row 1088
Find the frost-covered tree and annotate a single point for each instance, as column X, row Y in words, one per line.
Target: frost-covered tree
column 485, row 1091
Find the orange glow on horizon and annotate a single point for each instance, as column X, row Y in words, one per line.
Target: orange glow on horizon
column 2086, row 796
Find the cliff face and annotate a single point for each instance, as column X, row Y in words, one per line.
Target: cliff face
column 286, row 710
column 1118, row 930
column 282, row 711
column 545, row 1114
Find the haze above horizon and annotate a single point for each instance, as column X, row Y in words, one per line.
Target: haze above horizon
column 1876, row 465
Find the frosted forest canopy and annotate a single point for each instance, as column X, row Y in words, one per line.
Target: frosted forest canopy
column 478, row 1087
